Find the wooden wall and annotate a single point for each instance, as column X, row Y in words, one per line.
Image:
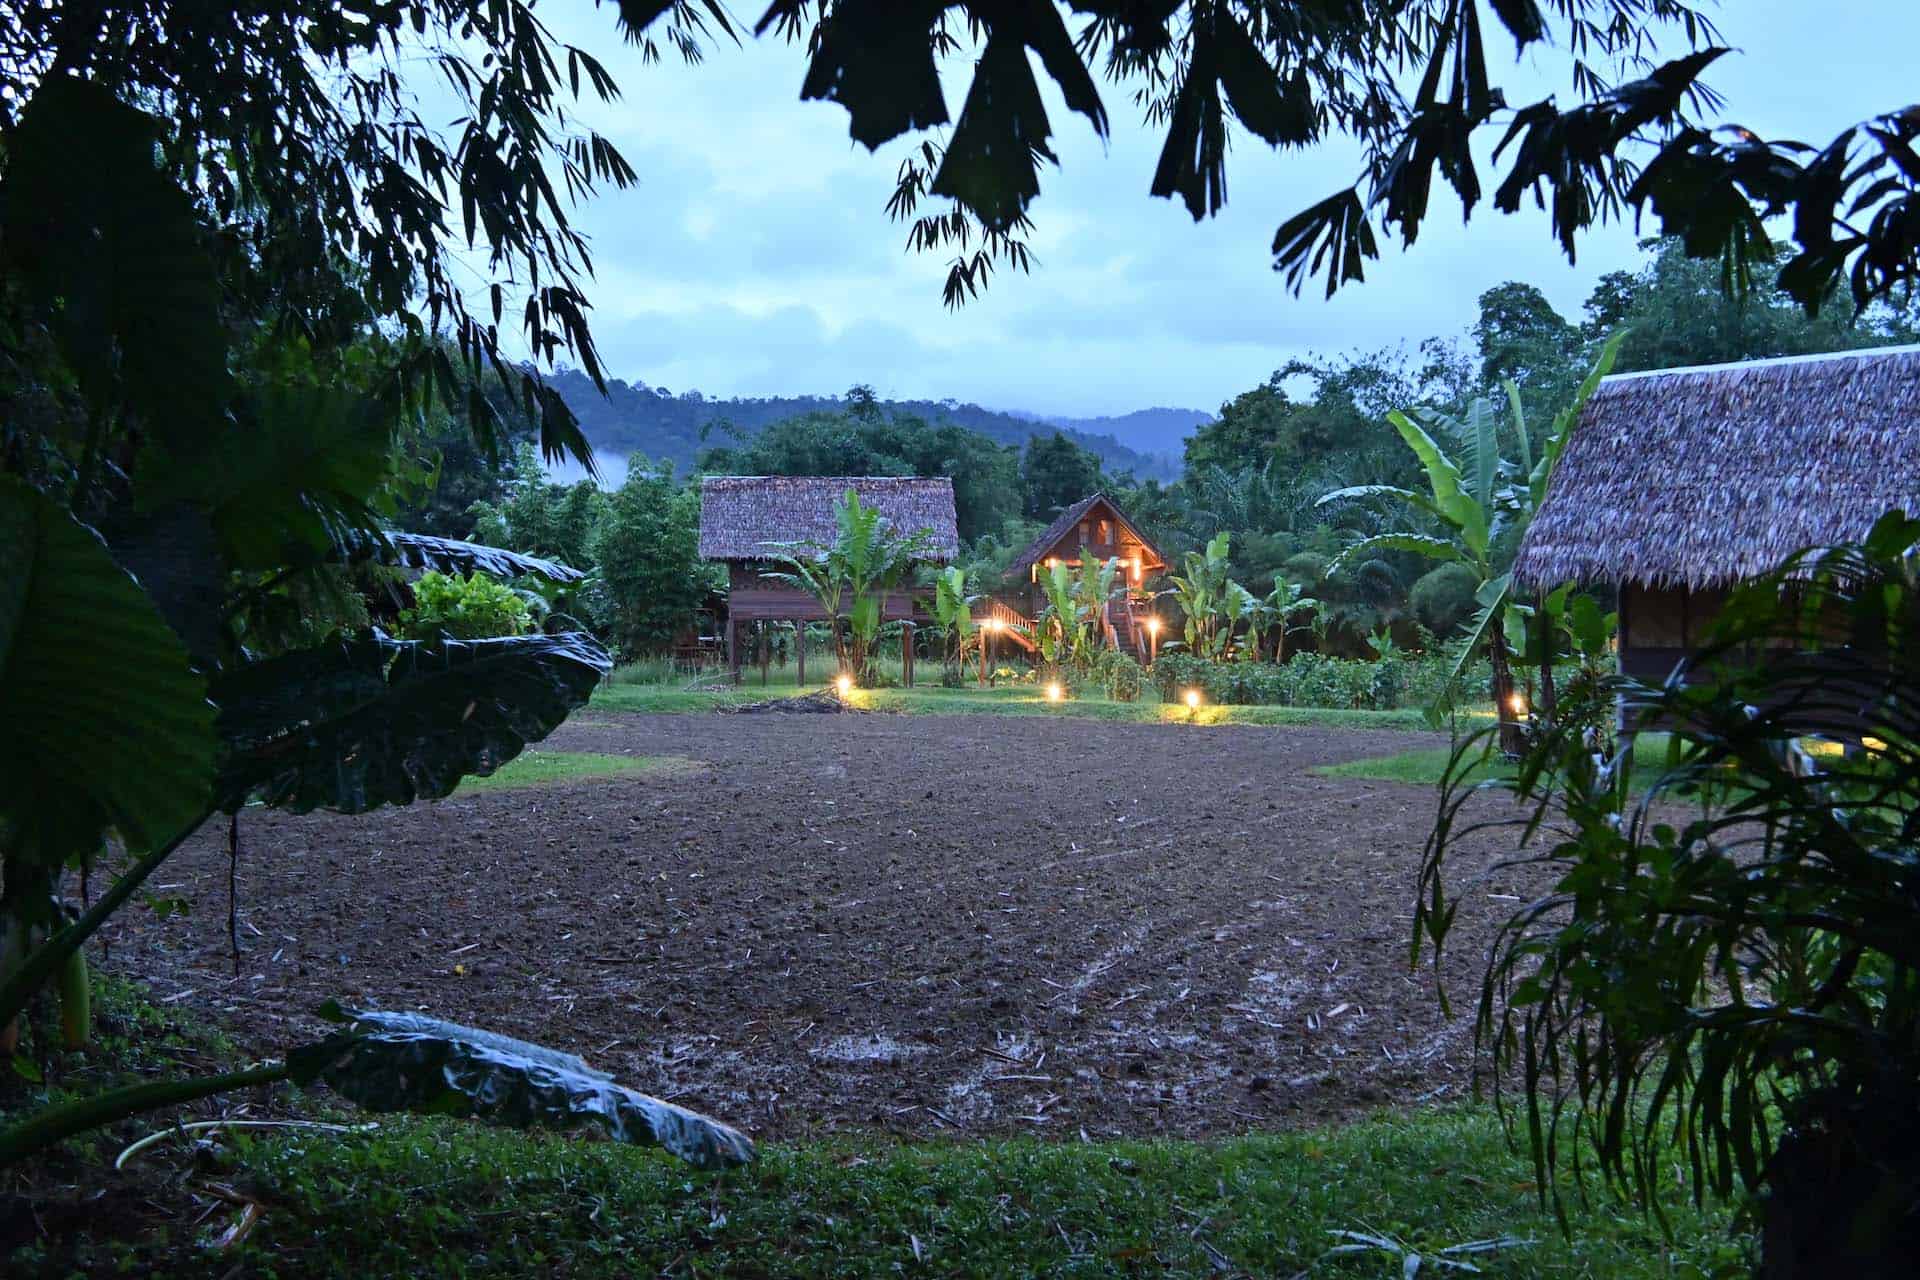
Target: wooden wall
column 751, row 597
column 1661, row 625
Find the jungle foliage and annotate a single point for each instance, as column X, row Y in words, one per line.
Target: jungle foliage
column 219, row 354
column 1723, row 973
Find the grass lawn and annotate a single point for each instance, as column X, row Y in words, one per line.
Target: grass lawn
column 535, row 768
column 1425, row 766
column 1002, row 700
column 447, row 1198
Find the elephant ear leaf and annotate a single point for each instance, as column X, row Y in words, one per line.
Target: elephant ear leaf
column 371, row 720
column 410, row 1062
column 103, row 722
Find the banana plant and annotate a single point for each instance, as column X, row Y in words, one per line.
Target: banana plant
column 1092, row 590
column 1201, row 594
column 1239, row 606
column 1060, row 621
column 1475, row 499
column 953, row 613
column 852, row 576
column 1276, row 611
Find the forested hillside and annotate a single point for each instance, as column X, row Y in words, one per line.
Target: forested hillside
column 635, row 418
column 1155, row 431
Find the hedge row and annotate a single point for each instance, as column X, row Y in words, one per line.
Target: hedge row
column 1313, row 680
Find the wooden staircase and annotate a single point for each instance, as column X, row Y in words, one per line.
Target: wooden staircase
column 1120, row 627
column 1123, row 628
column 1013, row 624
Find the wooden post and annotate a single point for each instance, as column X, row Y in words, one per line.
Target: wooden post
column 733, row 649
column 906, row 653
column 800, row 654
column 766, row 652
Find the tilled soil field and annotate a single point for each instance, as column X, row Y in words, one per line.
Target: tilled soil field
column 923, row 925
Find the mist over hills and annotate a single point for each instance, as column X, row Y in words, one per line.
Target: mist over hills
column 636, row 418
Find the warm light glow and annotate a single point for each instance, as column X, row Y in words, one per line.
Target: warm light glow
column 1517, row 704
column 1193, row 699
column 1055, row 693
column 1153, row 625
column 1874, row 744
column 844, row 684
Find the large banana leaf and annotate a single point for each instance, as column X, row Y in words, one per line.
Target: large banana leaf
column 410, row 1062
column 97, row 235
column 452, row 556
column 1457, row 506
column 1419, row 544
column 372, row 720
column 1569, row 417
column 102, row 721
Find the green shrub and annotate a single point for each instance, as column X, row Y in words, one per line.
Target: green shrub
column 1442, row 600
column 1313, row 680
column 1119, row 675
column 471, row 608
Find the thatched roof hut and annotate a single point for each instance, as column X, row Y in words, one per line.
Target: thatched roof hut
column 753, row 518
column 1693, row 479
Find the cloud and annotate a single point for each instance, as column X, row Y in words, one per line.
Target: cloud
column 756, row 256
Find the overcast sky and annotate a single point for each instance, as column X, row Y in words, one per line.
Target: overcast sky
column 756, row 258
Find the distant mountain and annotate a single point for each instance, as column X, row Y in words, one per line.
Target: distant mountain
column 1157, row 431
column 636, row 418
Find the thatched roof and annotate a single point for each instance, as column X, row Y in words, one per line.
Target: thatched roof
column 1063, row 525
column 1699, row 477
column 749, row 517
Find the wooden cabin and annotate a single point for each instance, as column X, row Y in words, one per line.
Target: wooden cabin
column 1678, row 484
column 1095, row 524
column 749, row 522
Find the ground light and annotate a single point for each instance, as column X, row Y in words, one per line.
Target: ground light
column 1192, row 699
column 1055, row 692
column 1518, row 705
column 844, row 684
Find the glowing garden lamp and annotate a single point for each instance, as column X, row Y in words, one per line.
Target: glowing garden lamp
column 1153, row 640
column 1518, row 705
column 1054, row 691
column 1192, row 699
column 844, row 684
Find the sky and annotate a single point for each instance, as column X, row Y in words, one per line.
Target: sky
column 755, row 256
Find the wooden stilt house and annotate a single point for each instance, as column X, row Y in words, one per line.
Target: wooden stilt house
column 1678, row 484
column 1094, row 524
column 748, row 522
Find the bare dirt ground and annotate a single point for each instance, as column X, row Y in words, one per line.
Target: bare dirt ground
column 922, row 925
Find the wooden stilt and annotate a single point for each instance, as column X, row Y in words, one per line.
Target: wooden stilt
column 766, row 652
column 906, row 654
column 733, row 650
column 800, row 654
